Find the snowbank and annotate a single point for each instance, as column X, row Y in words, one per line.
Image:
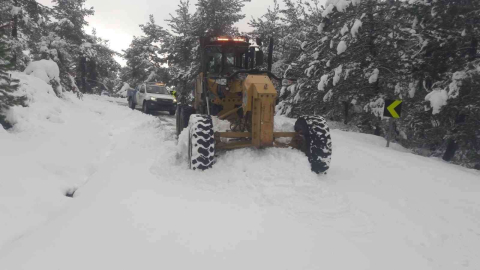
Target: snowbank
column 255, row 209
column 47, row 70
column 41, row 100
column 55, row 146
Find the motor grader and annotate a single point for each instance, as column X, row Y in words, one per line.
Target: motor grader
column 231, row 87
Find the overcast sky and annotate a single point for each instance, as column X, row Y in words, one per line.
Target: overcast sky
column 118, row 20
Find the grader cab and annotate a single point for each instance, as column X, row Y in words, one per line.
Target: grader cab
column 230, row 87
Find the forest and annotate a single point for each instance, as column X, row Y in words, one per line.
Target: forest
column 348, row 57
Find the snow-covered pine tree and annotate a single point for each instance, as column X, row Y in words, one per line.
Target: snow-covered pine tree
column 146, row 55
column 450, row 78
column 106, row 68
column 26, row 19
column 342, row 57
column 218, row 17
column 66, row 40
column 298, row 22
column 8, row 86
column 269, row 26
column 365, row 51
column 182, row 50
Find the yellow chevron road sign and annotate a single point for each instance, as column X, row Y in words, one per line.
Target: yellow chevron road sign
column 393, row 108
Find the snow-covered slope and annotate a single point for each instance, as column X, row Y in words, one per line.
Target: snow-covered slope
column 137, row 205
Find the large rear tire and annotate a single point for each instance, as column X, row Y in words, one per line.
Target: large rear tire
column 318, row 143
column 201, row 142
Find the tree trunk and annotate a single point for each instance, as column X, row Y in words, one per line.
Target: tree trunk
column 83, row 72
column 15, row 35
column 346, row 107
column 452, row 145
column 473, row 49
column 450, row 151
column 377, row 131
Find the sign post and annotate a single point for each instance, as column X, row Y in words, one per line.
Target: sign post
column 393, row 110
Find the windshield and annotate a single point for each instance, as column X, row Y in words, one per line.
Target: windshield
column 156, row 89
column 214, row 59
column 214, row 64
column 230, row 60
column 223, row 60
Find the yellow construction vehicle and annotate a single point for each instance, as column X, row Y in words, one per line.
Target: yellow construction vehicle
column 231, row 88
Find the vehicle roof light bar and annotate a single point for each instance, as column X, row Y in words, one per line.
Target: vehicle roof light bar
column 237, row 39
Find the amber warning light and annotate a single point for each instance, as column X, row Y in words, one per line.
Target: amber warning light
column 228, row 39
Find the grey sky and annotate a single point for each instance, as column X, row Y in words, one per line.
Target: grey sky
column 118, row 20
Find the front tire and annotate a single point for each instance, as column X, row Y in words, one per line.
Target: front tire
column 201, row 142
column 145, row 108
column 318, row 143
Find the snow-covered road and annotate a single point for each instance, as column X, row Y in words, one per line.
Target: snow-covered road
column 138, row 206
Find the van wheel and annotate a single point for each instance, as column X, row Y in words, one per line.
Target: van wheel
column 145, row 108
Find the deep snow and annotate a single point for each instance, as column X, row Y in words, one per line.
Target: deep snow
column 137, row 206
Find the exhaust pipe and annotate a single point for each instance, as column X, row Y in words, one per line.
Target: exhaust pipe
column 252, row 58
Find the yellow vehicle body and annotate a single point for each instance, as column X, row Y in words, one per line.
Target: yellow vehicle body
column 256, row 97
column 231, row 88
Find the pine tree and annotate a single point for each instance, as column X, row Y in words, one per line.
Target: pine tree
column 66, row 42
column 366, row 51
column 146, row 54
column 8, row 86
column 218, row 17
column 182, row 56
column 270, row 26
column 447, row 63
column 26, row 18
column 106, row 69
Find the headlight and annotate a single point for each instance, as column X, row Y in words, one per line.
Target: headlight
column 174, row 100
column 153, row 98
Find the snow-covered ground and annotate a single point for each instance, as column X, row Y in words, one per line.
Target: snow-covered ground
column 138, row 206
